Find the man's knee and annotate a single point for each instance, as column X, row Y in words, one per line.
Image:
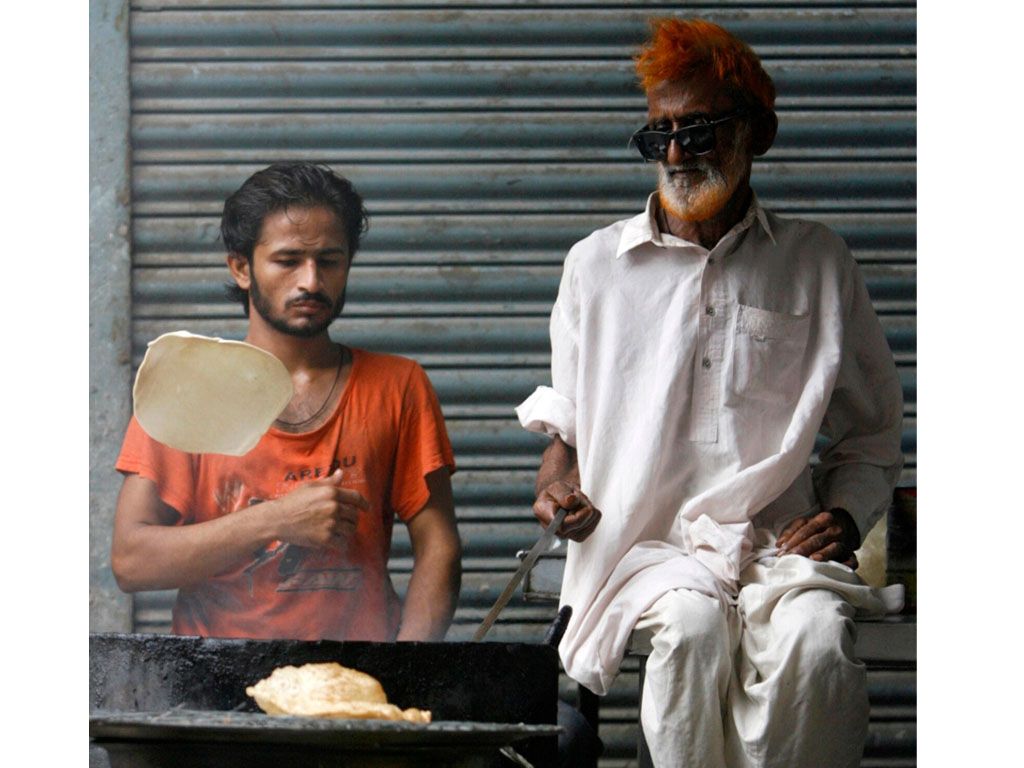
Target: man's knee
column 690, row 620
column 820, row 623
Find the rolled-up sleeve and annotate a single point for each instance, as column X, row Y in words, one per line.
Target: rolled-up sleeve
column 550, row 413
column 552, row 410
column 861, row 462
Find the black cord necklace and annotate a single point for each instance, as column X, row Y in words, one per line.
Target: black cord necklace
column 337, row 376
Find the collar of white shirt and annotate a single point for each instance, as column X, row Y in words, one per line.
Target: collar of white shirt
column 643, row 228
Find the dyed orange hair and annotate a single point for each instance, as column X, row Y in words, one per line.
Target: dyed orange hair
column 679, row 49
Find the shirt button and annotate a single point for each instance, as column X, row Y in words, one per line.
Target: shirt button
column 711, row 261
column 706, row 363
column 710, row 311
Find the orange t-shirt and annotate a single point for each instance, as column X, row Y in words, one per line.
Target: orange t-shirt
column 386, row 434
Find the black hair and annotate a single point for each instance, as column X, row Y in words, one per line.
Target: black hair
column 281, row 186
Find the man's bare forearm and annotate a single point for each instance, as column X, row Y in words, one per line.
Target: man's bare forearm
column 150, row 552
column 437, row 565
column 149, row 555
column 558, row 485
column 558, row 463
column 433, row 592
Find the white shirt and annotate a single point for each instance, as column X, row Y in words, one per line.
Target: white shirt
column 693, row 384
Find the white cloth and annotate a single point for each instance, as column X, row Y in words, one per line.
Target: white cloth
column 797, row 696
column 693, row 384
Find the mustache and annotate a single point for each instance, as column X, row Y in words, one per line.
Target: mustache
column 695, row 165
column 315, row 297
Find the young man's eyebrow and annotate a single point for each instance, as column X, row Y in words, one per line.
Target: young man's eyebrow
column 299, row 251
column 337, row 251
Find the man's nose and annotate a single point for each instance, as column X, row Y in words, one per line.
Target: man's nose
column 676, row 154
column 310, row 279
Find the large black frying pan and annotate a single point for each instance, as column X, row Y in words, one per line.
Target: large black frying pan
column 162, row 700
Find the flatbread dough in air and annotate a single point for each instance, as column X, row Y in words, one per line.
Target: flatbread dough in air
column 328, row 690
column 206, row 395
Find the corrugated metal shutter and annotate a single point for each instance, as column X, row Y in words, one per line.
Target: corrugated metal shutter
column 486, row 138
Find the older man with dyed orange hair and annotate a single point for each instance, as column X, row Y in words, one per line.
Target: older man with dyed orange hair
column 698, row 350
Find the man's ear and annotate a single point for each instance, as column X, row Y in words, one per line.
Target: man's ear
column 765, row 125
column 240, row 266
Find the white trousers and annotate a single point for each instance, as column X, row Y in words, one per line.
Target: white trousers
column 772, row 681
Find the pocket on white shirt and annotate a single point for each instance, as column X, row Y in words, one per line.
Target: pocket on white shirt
column 768, row 348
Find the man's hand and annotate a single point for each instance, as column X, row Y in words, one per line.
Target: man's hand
column 319, row 513
column 828, row 535
column 583, row 516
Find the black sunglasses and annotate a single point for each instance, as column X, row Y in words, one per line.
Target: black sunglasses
column 698, row 139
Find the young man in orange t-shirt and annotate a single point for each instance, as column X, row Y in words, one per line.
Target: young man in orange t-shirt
column 292, row 539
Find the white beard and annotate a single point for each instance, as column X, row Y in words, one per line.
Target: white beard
column 698, row 199
column 693, row 199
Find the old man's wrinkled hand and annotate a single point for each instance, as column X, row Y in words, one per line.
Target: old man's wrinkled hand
column 583, row 516
column 828, row 535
